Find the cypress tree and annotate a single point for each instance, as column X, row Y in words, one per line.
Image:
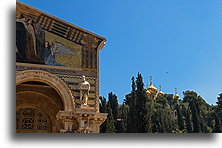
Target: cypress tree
column 195, row 118
column 217, row 126
column 140, row 105
column 150, row 111
column 168, row 120
column 180, row 118
column 191, row 98
column 131, row 116
column 188, row 122
column 200, row 106
column 219, row 101
column 130, row 101
column 155, row 121
column 172, row 102
column 103, row 109
column 110, row 127
column 103, row 104
column 113, row 104
column 161, row 121
column 121, row 125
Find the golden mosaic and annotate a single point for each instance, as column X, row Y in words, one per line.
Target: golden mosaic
column 71, row 54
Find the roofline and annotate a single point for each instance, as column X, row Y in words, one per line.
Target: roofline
column 82, row 29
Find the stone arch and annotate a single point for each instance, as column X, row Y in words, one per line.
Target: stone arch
column 56, row 83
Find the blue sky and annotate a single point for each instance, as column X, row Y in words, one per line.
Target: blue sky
column 178, row 42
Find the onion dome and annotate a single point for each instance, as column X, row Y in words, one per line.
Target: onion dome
column 160, row 93
column 148, row 92
column 176, row 95
column 151, row 88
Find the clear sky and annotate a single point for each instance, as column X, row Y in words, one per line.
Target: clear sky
column 178, row 42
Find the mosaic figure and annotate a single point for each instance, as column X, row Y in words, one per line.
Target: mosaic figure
column 30, row 40
column 52, row 50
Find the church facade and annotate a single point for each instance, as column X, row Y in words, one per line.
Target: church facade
column 57, row 75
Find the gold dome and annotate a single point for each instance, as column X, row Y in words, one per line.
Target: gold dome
column 176, row 95
column 160, row 93
column 148, row 92
column 151, row 88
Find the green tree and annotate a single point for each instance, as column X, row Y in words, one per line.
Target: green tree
column 172, row 102
column 103, row 105
column 140, row 105
column 110, row 127
column 218, row 109
column 219, row 99
column 131, row 116
column 113, row 104
column 180, row 120
column 168, row 120
column 195, row 118
column 140, row 113
column 103, row 109
column 150, row 111
column 121, row 123
column 217, row 127
column 188, row 122
column 190, row 97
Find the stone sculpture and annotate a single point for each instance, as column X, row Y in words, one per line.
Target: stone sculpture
column 84, row 87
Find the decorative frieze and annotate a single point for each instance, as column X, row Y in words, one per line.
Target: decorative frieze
column 87, row 120
column 54, row 69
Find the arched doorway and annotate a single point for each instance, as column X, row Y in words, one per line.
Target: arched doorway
column 39, row 98
column 44, row 77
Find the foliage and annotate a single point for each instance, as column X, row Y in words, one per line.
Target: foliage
column 110, row 124
column 141, row 113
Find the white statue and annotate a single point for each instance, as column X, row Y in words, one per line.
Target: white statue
column 84, row 91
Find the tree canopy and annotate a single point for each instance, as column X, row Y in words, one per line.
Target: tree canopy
column 142, row 113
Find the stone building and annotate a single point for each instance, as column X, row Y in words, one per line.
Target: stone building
column 57, row 74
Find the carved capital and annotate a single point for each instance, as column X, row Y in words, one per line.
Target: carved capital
column 66, row 118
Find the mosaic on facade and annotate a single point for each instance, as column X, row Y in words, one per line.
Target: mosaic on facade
column 37, row 46
column 44, row 39
column 57, row 89
column 61, row 52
